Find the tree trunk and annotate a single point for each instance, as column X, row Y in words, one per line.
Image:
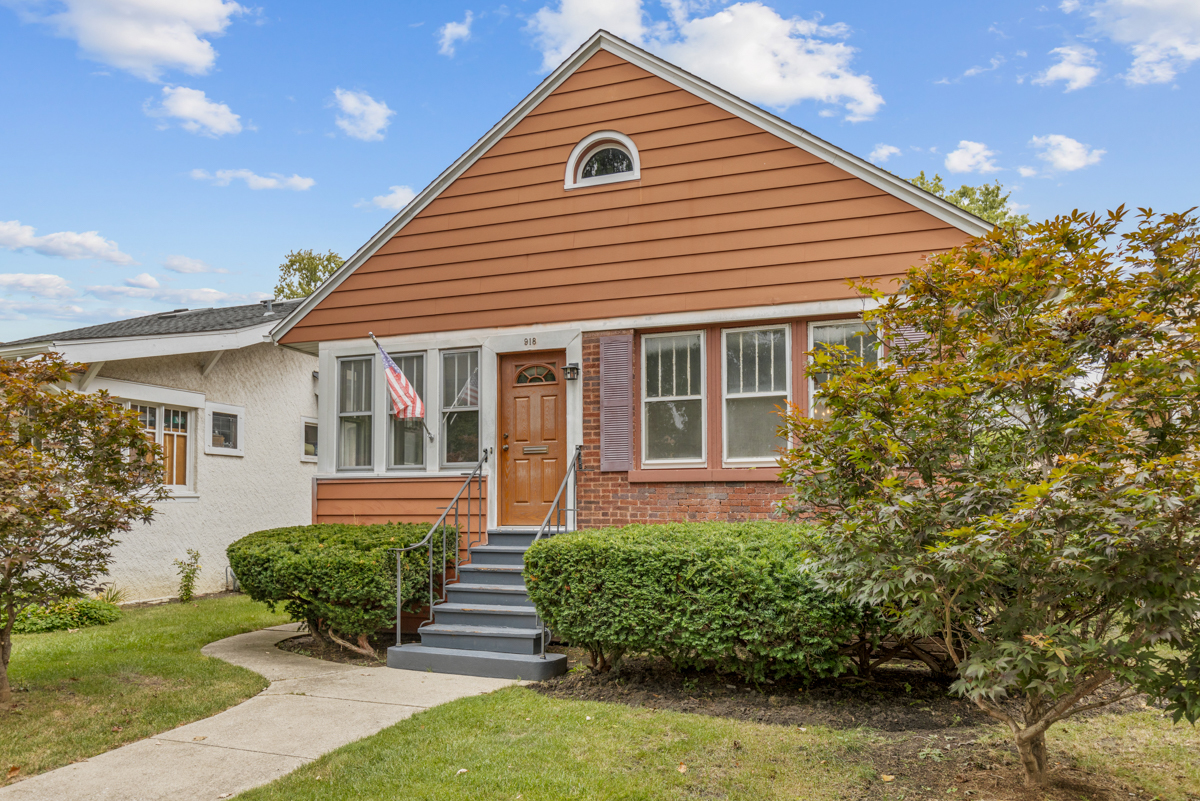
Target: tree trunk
column 363, row 647
column 1032, row 751
column 5, row 689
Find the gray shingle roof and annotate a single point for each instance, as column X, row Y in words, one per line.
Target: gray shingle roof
column 182, row 321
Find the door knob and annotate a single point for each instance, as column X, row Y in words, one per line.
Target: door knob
column 505, row 448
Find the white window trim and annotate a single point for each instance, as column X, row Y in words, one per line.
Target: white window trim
column 643, row 400
column 224, row 408
column 444, row 410
column 585, row 148
column 389, row 416
column 371, row 414
column 307, row 421
column 787, row 344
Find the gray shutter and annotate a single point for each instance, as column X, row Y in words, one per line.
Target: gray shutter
column 616, row 403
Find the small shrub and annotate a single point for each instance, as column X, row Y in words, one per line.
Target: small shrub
column 188, row 570
column 735, row 597
column 112, row 594
column 75, row 613
column 338, row 578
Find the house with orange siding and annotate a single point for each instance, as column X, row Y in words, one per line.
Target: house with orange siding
column 624, row 273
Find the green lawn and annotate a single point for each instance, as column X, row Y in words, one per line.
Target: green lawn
column 516, row 743
column 95, row 689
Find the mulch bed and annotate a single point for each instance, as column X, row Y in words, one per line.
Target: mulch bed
column 307, row 645
column 924, row 736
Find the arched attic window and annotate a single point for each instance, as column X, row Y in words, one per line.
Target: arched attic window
column 603, row 157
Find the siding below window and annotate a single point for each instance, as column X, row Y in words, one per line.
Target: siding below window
column 386, row 500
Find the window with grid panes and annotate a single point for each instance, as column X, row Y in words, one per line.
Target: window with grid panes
column 175, row 445
column 460, row 407
column 354, row 384
column 757, row 378
column 673, row 397
column 849, row 334
column 406, row 445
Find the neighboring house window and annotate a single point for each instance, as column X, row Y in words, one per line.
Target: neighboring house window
column 168, row 427
column 603, row 157
column 850, row 334
column 673, row 397
column 406, row 445
column 226, row 430
column 354, row 413
column 460, row 407
column 308, row 452
column 757, row 378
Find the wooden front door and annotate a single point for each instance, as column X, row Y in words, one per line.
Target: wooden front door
column 533, row 435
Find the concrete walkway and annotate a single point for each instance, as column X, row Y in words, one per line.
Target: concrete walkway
column 311, row 707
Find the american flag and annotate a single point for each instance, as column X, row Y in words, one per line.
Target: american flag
column 405, row 399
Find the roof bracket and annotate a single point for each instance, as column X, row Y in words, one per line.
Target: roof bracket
column 90, row 376
column 210, row 363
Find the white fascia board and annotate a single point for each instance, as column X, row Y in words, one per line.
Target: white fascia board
column 114, row 348
column 149, row 393
column 603, row 40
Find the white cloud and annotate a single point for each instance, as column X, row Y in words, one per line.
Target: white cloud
column 396, row 199
column 143, row 281
column 143, row 37
column 1162, row 35
column 1027, row 172
column 254, row 181
column 64, row 244
column 971, row 157
column 1064, row 153
column 994, row 64
column 1076, row 65
column 201, row 296
column 182, row 264
column 746, row 48
column 883, row 152
column 23, row 310
column 42, row 285
column 363, row 117
column 198, row 114
column 453, row 32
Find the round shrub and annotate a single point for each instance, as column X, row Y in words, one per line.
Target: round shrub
column 734, row 597
column 337, row 577
column 74, row 613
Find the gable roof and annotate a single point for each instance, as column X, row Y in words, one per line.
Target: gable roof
column 181, row 321
column 938, row 208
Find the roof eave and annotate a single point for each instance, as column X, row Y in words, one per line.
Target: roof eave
column 135, row 347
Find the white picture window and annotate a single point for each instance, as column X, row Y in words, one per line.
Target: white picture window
column 460, row 408
column 354, row 389
column 308, row 451
column 673, row 398
column 757, row 378
column 851, row 334
column 170, row 428
column 226, row 430
column 406, row 440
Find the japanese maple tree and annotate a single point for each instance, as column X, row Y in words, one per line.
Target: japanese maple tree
column 1020, row 475
column 76, row 470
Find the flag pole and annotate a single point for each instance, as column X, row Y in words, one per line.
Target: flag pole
column 428, row 433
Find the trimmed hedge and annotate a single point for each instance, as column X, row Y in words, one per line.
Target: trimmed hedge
column 75, row 613
column 734, row 597
column 337, row 577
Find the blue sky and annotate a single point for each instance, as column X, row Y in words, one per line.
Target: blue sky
column 163, row 154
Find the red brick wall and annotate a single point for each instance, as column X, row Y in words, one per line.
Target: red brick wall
column 610, row 499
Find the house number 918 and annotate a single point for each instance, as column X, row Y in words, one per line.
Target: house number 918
column 530, row 341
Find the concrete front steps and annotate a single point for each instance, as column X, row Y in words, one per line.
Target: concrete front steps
column 487, row 626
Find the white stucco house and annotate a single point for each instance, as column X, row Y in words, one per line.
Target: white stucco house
column 235, row 414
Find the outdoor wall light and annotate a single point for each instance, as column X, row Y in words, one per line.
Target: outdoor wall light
column 571, row 371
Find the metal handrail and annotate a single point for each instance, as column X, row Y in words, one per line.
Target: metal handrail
column 473, row 497
column 557, row 510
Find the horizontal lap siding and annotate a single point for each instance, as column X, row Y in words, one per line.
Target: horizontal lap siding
column 741, row 216
column 390, row 500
